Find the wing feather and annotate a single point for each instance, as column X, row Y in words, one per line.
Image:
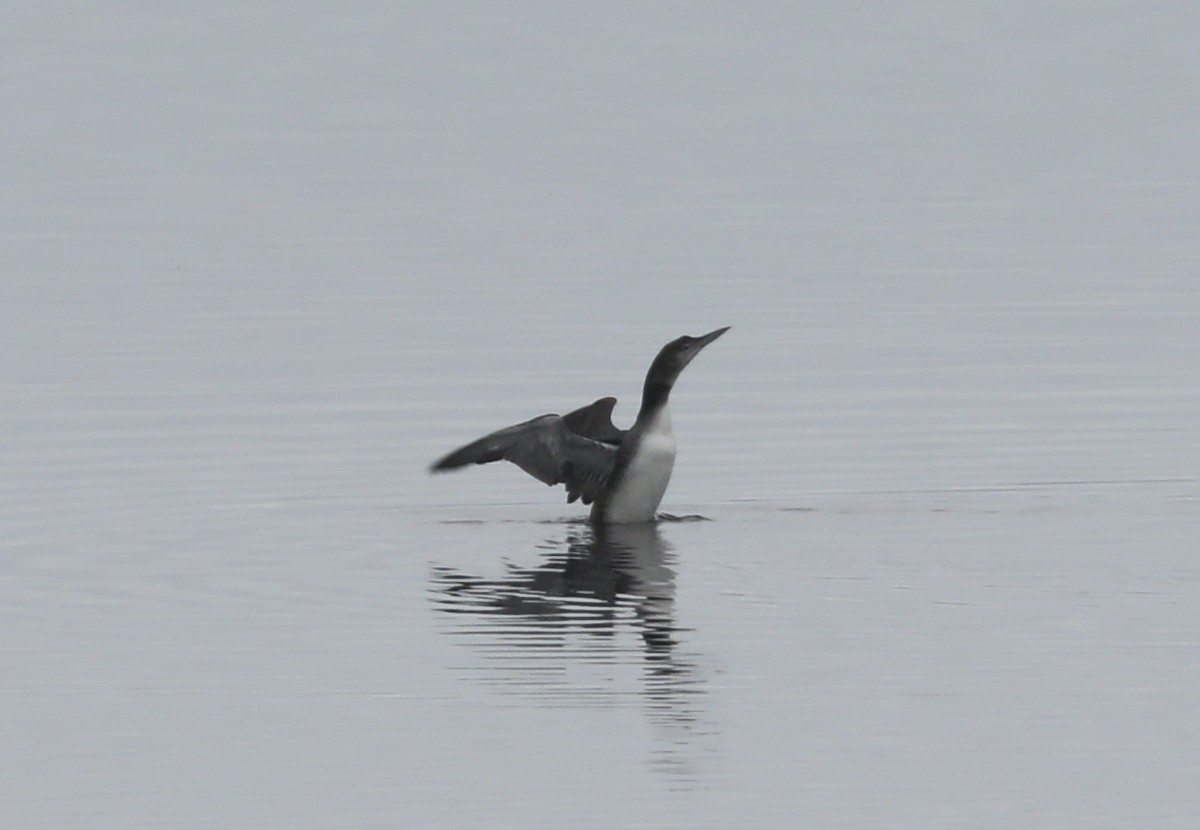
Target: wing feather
column 548, row 450
column 595, row 421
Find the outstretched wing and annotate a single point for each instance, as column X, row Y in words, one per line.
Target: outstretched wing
column 595, row 421
column 548, row 450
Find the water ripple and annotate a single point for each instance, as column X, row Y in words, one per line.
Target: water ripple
column 592, row 624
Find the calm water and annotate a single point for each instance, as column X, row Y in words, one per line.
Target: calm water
column 938, row 488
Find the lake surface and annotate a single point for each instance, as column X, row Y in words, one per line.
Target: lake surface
column 932, row 556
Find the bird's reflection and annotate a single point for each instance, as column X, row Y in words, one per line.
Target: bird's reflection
column 593, row 622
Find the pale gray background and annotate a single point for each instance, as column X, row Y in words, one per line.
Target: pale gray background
column 261, row 263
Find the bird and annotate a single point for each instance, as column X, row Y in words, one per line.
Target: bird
column 622, row 473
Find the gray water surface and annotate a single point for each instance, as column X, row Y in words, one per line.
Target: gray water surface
column 937, row 490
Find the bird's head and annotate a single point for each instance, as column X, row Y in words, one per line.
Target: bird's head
column 671, row 360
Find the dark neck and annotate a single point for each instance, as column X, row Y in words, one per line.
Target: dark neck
column 654, row 397
column 659, row 380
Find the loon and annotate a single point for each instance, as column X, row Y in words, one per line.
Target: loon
column 622, row 474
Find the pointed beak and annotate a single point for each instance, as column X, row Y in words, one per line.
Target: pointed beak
column 711, row 336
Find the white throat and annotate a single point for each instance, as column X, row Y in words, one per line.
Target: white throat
column 641, row 488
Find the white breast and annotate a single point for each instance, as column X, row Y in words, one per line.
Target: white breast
column 641, row 488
